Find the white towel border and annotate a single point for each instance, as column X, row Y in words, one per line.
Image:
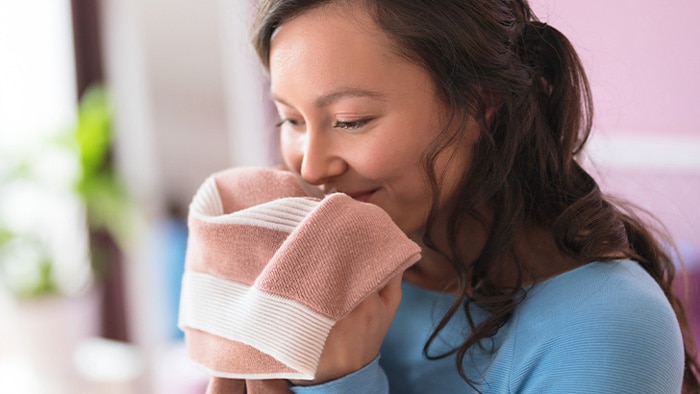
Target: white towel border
column 284, row 329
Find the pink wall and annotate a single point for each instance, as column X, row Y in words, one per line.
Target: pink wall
column 643, row 61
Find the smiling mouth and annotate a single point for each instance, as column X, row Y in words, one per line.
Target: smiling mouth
column 363, row 196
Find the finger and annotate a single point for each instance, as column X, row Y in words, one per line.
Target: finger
column 225, row 386
column 276, row 386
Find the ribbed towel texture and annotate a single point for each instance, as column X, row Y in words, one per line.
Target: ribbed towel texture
column 269, row 271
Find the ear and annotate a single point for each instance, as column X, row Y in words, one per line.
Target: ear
column 482, row 119
column 489, row 114
column 492, row 102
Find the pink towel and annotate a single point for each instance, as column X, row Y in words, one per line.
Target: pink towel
column 270, row 270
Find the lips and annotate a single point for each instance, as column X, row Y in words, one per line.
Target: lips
column 363, row 196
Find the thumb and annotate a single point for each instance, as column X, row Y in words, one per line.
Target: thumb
column 391, row 293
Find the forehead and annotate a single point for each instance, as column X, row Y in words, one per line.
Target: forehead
column 349, row 20
column 338, row 40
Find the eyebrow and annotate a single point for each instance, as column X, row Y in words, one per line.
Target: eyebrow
column 332, row 97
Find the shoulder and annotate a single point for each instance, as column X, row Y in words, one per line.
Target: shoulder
column 608, row 320
column 615, row 287
column 620, row 291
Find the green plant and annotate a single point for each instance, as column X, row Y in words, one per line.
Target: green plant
column 26, row 263
column 25, row 258
column 29, row 268
column 109, row 209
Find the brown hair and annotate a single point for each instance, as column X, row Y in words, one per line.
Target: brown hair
column 487, row 52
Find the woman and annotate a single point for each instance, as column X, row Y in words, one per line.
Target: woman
column 463, row 120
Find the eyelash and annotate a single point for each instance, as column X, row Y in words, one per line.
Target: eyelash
column 346, row 125
column 351, row 125
column 287, row 120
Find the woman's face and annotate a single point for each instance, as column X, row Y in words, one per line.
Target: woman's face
column 357, row 118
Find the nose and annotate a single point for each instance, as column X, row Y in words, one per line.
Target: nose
column 319, row 158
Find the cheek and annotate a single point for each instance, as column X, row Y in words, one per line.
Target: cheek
column 377, row 161
column 385, row 162
column 396, row 151
column 454, row 162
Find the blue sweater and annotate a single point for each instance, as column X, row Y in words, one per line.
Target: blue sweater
column 601, row 328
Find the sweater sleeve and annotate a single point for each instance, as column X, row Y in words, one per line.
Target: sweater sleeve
column 371, row 379
column 609, row 350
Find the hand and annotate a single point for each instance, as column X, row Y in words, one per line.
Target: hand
column 355, row 340
column 237, row 386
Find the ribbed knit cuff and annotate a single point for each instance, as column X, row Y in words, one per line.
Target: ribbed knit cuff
column 371, row 379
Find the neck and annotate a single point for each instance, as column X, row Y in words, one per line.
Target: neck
column 539, row 255
column 534, row 248
column 433, row 271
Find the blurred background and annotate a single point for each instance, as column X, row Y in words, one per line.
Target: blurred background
column 112, row 113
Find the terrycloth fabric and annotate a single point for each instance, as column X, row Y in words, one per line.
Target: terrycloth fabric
column 269, row 271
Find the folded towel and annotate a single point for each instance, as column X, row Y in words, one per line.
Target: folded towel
column 269, row 271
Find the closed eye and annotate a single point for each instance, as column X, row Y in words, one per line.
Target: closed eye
column 290, row 121
column 351, row 125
